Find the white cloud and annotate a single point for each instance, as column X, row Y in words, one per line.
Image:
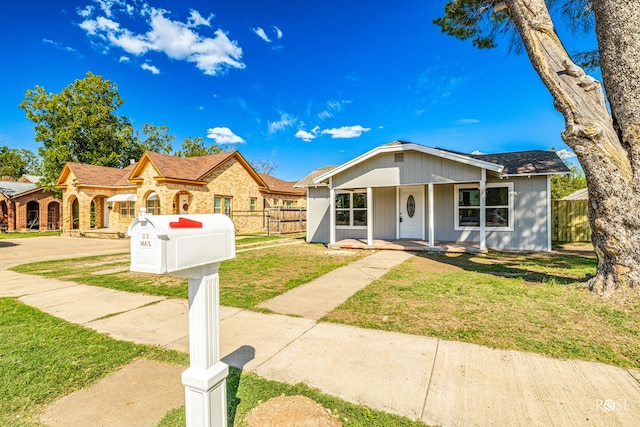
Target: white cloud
column 346, row 131
column 333, row 106
column 565, row 154
column 178, row 40
column 124, row 59
column 224, row 135
column 468, row 121
column 152, row 68
column 260, row 33
column 305, row 136
column 278, row 32
column 477, row 152
column 60, row 46
column 195, row 19
column 284, row 122
column 308, row 136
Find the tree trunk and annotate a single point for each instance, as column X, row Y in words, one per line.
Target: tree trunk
column 607, row 147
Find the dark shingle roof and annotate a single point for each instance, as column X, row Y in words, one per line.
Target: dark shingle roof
column 13, row 188
column 532, row 162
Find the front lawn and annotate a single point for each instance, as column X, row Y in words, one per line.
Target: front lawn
column 252, row 277
column 508, row 301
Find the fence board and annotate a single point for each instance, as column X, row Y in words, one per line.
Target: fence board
column 570, row 221
column 287, row 221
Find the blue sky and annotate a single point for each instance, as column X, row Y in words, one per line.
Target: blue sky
column 300, row 84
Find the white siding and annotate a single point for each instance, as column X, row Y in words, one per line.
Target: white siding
column 384, row 213
column 416, row 168
column 318, row 215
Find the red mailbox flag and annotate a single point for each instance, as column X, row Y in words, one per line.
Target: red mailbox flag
column 185, row 223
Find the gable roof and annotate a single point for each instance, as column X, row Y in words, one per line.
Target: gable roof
column 192, row 169
column 96, row 176
column 532, row 162
column 399, row 146
column 276, row 185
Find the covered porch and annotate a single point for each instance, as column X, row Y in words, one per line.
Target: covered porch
column 408, row 245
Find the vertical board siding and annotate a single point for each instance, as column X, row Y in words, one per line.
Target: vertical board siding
column 384, row 213
column 570, row 221
column 318, row 205
column 416, row 168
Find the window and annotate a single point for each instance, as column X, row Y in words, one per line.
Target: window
column 153, row 204
column 252, row 204
column 127, row 210
column 351, row 209
column 223, row 204
column 498, row 205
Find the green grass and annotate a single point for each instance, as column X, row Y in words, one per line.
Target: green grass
column 252, row 277
column 43, row 358
column 26, row 234
column 246, row 391
column 508, row 301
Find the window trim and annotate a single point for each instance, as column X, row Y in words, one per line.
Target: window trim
column 456, row 207
column 130, row 209
column 351, row 209
column 223, row 205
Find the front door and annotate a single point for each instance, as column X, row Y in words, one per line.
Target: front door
column 411, row 212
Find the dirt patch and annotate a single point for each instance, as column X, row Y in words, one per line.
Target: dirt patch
column 290, row 411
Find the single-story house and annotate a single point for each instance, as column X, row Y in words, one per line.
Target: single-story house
column 407, row 191
column 96, row 197
column 25, row 206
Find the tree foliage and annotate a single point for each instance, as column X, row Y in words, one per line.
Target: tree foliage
column 194, row 147
column 17, row 162
column 79, row 124
column 563, row 185
column 154, row 138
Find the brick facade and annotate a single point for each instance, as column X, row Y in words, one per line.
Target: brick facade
column 30, row 209
column 175, row 186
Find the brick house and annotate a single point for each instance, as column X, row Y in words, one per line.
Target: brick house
column 25, row 206
column 218, row 183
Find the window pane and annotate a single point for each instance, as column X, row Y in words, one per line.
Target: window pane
column 360, row 217
column 252, row 204
column 497, row 196
column 217, row 204
column 342, row 217
column 498, row 217
column 469, row 217
column 469, row 197
column 342, row 201
column 359, row 200
column 132, row 209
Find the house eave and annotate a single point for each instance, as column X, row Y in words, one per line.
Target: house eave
column 394, row 148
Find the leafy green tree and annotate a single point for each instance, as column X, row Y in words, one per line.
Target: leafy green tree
column 563, row 185
column 17, row 162
column 79, row 124
column 601, row 127
column 154, row 138
column 194, row 147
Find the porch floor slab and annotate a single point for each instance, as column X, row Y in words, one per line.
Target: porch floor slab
column 408, row 245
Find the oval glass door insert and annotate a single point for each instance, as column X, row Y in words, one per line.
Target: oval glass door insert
column 411, row 206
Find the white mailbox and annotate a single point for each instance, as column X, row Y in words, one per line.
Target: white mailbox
column 171, row 243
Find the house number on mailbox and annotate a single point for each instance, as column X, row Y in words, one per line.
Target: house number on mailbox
column 411, row 206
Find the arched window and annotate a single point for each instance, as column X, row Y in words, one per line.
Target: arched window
column 153, row 204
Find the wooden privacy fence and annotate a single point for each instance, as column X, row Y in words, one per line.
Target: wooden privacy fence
column 287, row 221
column 570, row 221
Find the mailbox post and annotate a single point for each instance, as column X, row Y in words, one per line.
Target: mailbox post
column 192, row 247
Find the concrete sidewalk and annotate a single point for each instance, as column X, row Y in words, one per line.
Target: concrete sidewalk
column 439, row 382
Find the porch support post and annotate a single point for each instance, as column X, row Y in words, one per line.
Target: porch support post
column 483, row 213
column 549, row 218
column 369, row 216
column 431, row 219
column 397, row 213
column 332, row 214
